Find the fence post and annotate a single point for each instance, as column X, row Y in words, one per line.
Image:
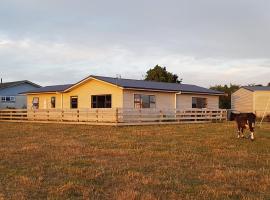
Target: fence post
column 62, row 115
column 48, row 115
column 116, row 116
column 160, row 116
column 96, row 115
column 78, row 115
column 34, row 115
column 140, row 115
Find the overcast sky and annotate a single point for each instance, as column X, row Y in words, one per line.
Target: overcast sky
column 205, row 42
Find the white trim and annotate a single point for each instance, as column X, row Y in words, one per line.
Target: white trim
column 87, row 79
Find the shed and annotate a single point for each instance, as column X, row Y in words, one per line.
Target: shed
column 255, row 99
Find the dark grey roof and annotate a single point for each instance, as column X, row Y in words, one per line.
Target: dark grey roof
column 153, row 85
column 15, row 83
column 53, row 88
column 134, row 84
column 257, row 88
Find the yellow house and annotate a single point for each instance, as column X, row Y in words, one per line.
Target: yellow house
column 107, row 92
column 254, row 99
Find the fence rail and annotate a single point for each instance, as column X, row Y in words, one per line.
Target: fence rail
column 114, row 116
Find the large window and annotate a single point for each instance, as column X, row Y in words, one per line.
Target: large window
column 8, row 99
column 101, row 101
column 35, row 103
column 144, row 101
column 74, row 102
column 53, row 101
column 198, row 102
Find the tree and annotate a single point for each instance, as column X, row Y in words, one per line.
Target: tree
column 225, row 101
column 161, row 74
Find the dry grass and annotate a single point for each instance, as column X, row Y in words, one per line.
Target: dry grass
column 203, row 161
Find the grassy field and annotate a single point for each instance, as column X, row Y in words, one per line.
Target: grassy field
column 202, row 161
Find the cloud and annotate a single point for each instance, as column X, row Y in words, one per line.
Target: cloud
column 205, row 42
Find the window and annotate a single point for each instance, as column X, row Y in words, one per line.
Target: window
column 8, row 99
column 74, row 102
column 101, row 101
column 35, row 103
column 144, row 101
column 198, row 102
column 53, row 99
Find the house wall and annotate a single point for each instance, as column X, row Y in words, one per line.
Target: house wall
column 184, row 101
column 261, row 99
column 44, row 100
column 20, row 100
column 164, row 100
column 84, row 92
column 242, row 100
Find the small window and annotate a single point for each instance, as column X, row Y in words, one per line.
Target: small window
column 152, row 101
column 198, row 102
column 144, row 101
column 74, row 102
column 53, row 100
column 35, row 103
column 12, row 99
column 137, row 101
column 8, row 99
column 101, row 101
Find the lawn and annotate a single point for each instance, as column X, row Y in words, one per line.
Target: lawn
column 196, row 161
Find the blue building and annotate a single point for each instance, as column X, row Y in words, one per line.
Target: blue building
column 10, row 93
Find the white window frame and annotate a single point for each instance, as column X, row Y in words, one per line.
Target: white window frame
column 12, row 99
column 140, row 102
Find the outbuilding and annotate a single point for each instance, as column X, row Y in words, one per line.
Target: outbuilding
column 255, row 99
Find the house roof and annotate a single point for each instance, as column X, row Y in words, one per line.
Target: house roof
column 257, row 88
column 53, row 88
column 153, row 85
column 15, row 83
column 134, row 84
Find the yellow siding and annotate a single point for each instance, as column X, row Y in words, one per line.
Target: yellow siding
column 261, row 99
column 44, row 100
column 242, row 100
column 94, row 87
column 84, row 92
column 163, row 100
column 184, row 101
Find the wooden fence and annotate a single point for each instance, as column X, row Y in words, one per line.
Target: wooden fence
column 114, row 116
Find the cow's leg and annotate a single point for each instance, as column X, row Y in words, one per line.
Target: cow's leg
column 251, row 128
column 238, row 131
column 242, row 132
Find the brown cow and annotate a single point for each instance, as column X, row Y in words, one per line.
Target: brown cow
column 244, row 121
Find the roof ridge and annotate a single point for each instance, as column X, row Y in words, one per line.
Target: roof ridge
column 59, row 85
column 130, row 79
